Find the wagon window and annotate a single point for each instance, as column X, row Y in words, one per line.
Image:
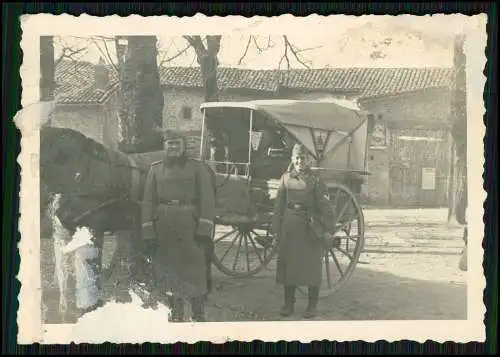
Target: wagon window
column 230, row 129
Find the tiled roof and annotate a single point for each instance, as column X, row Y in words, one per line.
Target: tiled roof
column 227, row 78
column 77, row 85
column 372, row 82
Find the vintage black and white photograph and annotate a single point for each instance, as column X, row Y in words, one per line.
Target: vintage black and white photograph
column 308, row 175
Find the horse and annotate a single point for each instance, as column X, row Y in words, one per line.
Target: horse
column 85, row 185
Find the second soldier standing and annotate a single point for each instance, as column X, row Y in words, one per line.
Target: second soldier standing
column 177, row 222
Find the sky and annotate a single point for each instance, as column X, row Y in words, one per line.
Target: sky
column 414, row 42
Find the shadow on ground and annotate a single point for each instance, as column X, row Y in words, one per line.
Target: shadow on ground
column 368, row 295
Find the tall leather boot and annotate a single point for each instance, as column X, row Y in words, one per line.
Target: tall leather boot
column 288, row 307
column 312, row 302
column 198, row 309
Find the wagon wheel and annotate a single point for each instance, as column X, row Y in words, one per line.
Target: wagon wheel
column 243, row 249
column 342, row 253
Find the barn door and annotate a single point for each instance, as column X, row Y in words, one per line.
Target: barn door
column 418, row 168
column 400, row 184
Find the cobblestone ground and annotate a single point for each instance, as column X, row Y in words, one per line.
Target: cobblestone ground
column 408, row 270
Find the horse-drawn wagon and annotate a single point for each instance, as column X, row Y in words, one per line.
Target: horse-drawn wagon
column 248, row 145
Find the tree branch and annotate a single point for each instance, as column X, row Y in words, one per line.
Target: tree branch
column 69, row 53
column 262, row 49
column 285, row 57
column 109, row 56
column 106, row 38
column 195, row 41
column 306, row 49
column 105, row 55
column 180, row 53
column 252, row 39
column 294, row 51
column 197, row 44
column 246, row 50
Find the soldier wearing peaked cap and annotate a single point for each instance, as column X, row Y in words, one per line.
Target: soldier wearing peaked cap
column 301, row 220
column 177, row 222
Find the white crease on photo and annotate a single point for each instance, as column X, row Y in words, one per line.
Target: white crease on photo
column 128, row 323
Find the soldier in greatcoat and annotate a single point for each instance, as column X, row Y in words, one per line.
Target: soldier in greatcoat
column 177, row 221
column 301, row 207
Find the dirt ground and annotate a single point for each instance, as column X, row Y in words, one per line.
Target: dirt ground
column 407, row 271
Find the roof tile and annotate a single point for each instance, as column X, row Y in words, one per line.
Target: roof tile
column 76, row 80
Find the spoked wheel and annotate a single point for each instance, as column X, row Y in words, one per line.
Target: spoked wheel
column 243, row 249
column 343, row 251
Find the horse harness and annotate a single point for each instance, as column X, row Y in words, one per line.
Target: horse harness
column 112, row 160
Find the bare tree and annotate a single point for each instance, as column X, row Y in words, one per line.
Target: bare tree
column 253, row 41
column 458, row 188
column 47, row 89
column 207, row 57
column 141, row 99
column 68, row 52
column 294, row 52
column 164, row 55
column 141, row 107
column 47, row 68
column 207, row 51
column 101, row 43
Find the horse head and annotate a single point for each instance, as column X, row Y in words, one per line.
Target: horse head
column 71, row 163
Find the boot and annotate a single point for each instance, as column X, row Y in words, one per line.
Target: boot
column 198, row 310
column 288, row 307
column 312, row 302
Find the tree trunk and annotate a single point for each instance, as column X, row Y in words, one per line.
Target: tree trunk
column 208, row 61
column 141, row 110
column 452, row 182
column 47, row 69
column 459, row 132
column 47, row 89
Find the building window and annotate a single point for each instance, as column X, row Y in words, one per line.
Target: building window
column 186, row 113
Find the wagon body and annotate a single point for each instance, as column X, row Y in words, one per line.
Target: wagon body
column 248, row 145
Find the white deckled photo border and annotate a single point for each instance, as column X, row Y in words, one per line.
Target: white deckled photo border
column 30, row 325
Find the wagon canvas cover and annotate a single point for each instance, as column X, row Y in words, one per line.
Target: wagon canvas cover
column 307, row 120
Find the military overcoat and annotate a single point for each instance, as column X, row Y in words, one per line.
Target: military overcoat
column 300, row 197
column 179, row 205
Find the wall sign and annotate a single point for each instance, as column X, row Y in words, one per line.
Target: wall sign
column 378, row 136
column 428, row 178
